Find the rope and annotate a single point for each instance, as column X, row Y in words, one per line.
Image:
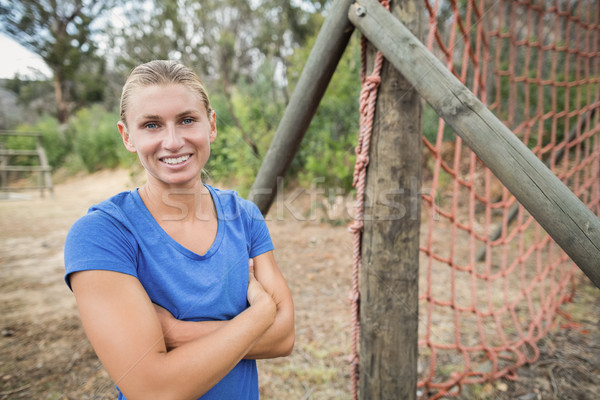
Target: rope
column 367, row 102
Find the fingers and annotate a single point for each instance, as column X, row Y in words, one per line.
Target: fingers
column 251, row 265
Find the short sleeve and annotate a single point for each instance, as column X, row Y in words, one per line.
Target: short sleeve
column 98, row 242
column 260, row 239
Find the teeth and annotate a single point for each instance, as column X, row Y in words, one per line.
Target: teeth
column 177, row 160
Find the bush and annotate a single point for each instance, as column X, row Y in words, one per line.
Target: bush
column 327, row 152
column 21, row 143
column 96, row 140
column 54, row 140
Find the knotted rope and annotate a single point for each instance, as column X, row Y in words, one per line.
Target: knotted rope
column 367, row 102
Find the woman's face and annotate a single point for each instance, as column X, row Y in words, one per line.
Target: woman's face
column 170, row 130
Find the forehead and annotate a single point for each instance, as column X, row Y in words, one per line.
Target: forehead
column 156, row 98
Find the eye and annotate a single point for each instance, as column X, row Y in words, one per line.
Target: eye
column 151, row 125
column 187, row 121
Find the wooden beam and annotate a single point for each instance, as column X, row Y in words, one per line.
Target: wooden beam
column 4, row 152
column 320, row 66
column 389, row 278
column 566, row 219
column 25, row 168
column 17, row 133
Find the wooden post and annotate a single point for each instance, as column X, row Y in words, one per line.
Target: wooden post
column 3, row 164
column 320, row 66
column 45, row 175
column 566, row 219
column 44, row 170
column 390, row 241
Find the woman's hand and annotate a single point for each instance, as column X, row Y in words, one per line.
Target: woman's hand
column 265, row 278
column 258, row 297
column 177, row 332
column 168, row 324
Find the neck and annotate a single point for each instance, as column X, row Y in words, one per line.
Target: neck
column 184, row 204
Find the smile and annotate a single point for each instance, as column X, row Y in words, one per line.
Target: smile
column 176, row 160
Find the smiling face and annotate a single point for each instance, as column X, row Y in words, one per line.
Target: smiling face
column 170, row 129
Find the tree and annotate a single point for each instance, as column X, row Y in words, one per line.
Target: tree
column 61, row 33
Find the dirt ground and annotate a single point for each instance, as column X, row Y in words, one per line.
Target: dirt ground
column 44, row 353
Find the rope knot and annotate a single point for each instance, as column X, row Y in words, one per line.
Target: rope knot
column 373, row 81
column 353, row 359
column 370, row 83
column 356, row 226
column 362, row 160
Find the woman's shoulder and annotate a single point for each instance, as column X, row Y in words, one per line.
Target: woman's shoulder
column 120, row 201
column 116, row 209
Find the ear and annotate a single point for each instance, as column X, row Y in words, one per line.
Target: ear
column 126, row 138
column 213, row 125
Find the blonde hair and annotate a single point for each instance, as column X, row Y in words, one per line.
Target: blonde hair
column 162, row 72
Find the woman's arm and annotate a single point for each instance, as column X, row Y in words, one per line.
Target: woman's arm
column 123, row 327
column 277, row 341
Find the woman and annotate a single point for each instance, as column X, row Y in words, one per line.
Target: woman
column 161, row 274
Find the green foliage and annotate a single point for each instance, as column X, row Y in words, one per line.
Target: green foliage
column 231, row 158
column 96, row 140
column 56, row 144
column 431, row 122
column 20, row 143
column 250, row 55
column 258, row 108
column 327, row 152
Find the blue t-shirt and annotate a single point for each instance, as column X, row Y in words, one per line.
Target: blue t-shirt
column 120, row 234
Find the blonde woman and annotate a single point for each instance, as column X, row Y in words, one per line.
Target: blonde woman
column 176, row 284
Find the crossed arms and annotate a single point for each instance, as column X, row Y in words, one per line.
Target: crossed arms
column 149, row 354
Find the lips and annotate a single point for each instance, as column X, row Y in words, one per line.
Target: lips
column 176, row 160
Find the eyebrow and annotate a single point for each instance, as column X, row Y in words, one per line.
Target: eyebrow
column 149, row 117
column 187, row 112
column 159, row 118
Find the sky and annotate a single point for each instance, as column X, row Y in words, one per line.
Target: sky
column 16, row 59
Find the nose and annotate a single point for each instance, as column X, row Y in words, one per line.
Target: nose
column 173, row 140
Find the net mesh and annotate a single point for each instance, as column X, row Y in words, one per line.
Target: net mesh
column 492, row 280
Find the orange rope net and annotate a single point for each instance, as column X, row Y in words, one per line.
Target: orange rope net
column 492, row 280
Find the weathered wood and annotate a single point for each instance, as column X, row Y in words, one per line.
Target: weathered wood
column 25, row 168
column 4, row 152
column 45, row 177
column 320, row 66
column 566, row 219
column 390, row 241
column 3, row 163
column 18, row 133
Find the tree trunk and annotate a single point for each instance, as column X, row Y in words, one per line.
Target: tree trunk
column 62, row 107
